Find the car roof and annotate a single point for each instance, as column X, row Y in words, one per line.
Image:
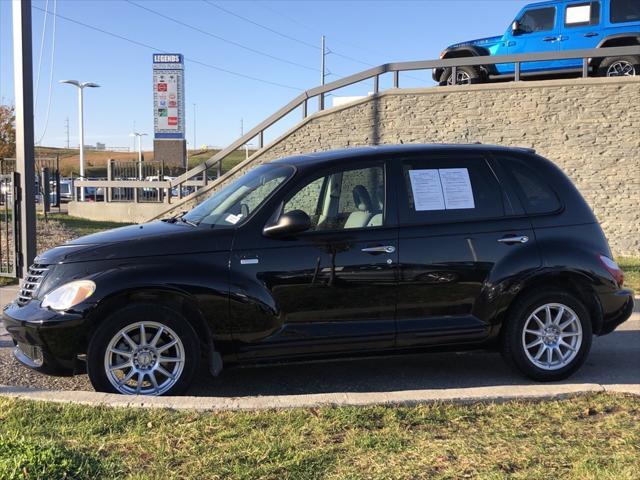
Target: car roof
column 367, row 152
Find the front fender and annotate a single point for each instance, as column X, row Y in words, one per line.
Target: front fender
column 459, row 52
column 200, row 285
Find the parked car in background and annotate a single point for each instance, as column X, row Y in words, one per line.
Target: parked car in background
column 554, row 26
column 377, row 250
column 66, row 190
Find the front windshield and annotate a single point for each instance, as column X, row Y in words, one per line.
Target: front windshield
column 234, row 203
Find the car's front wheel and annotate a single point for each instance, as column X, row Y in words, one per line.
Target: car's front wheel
column 547, row 336
column 143, row 349
column 464, row 76
column 619, row 67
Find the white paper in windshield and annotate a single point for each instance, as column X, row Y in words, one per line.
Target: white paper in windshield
column 427, row 190
column 456, row 186
column 233, row 219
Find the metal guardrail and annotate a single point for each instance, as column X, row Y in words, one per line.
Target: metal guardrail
column 374, row 73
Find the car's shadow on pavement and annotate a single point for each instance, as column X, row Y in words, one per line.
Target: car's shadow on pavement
column 613, row 359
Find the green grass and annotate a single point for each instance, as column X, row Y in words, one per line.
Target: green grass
column 631, row 268
column 581, row 438
column 82, row 226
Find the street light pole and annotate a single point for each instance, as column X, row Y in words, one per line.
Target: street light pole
column 81, row 135
column 139, row 137
column 81, row 86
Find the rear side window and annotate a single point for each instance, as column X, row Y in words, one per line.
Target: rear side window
column 442, row 189
column 538, row 20
column 537, row 196
column 582, row 14
column 625, row 11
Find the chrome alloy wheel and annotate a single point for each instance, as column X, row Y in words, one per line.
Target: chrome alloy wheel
column 145, row 358
column 552, row 336
column 621, row 68
column 462, row 78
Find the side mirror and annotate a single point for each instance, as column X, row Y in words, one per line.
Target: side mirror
column 515, row 27
column 290, row 223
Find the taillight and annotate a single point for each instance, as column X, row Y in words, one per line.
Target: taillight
column 613, row 268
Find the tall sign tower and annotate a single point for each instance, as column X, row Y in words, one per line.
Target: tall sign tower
column 169, row 143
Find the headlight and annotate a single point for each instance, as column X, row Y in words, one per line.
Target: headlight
column 69, row 295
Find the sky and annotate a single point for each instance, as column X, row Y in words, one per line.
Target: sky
column 276, row 43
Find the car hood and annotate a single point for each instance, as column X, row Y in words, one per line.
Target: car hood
column 480, row 42
column 146, row 240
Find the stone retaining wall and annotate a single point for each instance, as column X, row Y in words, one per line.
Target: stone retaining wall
column 589, row 127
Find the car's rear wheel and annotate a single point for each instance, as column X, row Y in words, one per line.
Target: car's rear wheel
column 464, row 76
column 619, row 67
column 547, row 336
column 143, row 349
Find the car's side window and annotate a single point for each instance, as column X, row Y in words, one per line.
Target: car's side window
column 450, row 190
column 625, row 11
column 537, row 196
column 346, row 199
column 582, row 14
column 538, row 20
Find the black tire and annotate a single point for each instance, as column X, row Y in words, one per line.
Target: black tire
column 513, row 348
column 473, row 76
column 608, row 63
column 133, row 314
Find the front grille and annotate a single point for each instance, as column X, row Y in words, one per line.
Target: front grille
column 35, row 274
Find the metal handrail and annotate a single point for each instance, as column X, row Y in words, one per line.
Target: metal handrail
column 374, row 73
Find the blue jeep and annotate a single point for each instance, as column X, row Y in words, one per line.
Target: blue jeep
column 550, row 27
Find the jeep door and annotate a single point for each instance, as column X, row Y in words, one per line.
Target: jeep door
column 462, row 237
column 329, row 290
column 539, row 32
column 580, row 29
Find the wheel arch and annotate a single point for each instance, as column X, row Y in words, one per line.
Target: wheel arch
column 572, row 283
column 617, row 40
column 461, row 52
column 186, row 304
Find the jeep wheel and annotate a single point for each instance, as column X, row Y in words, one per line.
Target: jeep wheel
column 619, row 67
column 547, row 335
column 464, row 76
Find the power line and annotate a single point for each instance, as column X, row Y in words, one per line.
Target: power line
column 218, row 37
column 53, row 53
column 44, row 32
column 155, row 49
column 315, row 30
column 272, row 30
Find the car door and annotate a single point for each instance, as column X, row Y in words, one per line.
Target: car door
column 329, row 290
column 538, row 32
column 460, row 236
column 580, row 29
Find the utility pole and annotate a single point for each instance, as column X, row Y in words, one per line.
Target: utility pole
column 25, row 150
column 67, row 131
column 194, row 126
column 323, row 54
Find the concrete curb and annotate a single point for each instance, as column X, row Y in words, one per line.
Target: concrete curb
column 407, row 398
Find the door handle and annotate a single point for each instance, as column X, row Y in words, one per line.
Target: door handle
column 514, row 239
column 591, row 34
column 382, row 249
column 550, row 39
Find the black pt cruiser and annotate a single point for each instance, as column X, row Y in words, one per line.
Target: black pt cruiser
column 356, row 252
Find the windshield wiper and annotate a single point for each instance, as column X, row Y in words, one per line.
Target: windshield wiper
column 188, row 222
column 180, row 217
